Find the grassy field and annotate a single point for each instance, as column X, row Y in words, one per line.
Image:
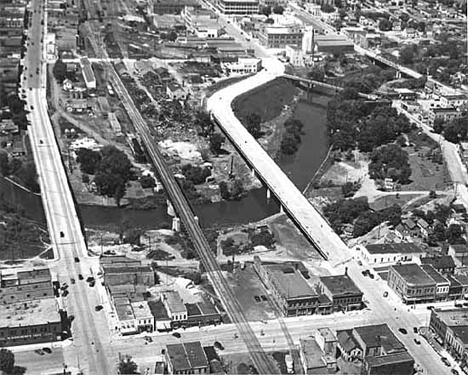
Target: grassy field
column 267, row 100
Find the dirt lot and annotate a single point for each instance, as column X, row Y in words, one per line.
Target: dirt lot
column 246, row 285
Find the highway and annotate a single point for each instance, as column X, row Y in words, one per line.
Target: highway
column 62, row 220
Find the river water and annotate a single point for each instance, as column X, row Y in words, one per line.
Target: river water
column 300, row 168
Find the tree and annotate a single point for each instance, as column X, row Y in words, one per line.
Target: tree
column 4, row 164
column 197, row 175
column 316, row 74
column 7, row 361
column 253, row 121
column 290, row 143
column 327, row 8
column 224, row 190
column 216, row 143
column 127, row 366
column 407, row 55
column 27, row 174
column 439, row 125
column 119, row 193
column 133, row 236
column 442, row 213
column 204, row 123
column 172, row 36
column 390, row 161
column 454, row 234
column 60, row 70
column 88, row 159
column 147, row 182
column 278, row 9
column 266, row 10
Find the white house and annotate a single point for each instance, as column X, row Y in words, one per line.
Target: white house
column 295, row 55
column 244, row 65
column 389, row 253
column 174, row 305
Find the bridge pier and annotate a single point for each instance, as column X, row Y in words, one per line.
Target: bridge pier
column 268, row 194
column 281, row 209
column 252, row 172
column 398, row 74
column 170, row 208
column 176, row 224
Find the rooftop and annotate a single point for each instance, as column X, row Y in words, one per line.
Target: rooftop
column 312, row 354
column 290, row 282
column 346, row 339
column 340, row 285
column 384, row 360
column 118, row 260
column 141, row 310
column 158, row 310
column 412, row 274
column 432, row 272
column 380, row 335
column 393, row 248
column 34, row 312
column 283, row 30
column 186, row 356
column 174, row 302
column 123, row 308
column 439, row 262
column 131, row 269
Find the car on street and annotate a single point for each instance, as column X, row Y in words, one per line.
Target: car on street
column 98, row 308
column 65, row 293
column 41, row 141
column 402, row 331
column 47, row 350
column 263, row 298
column 371, row 275
column 257, row 298
column 77, row 260
column 72, row 280
column 148, row 338
column 415, row 330
column 90, row 279
column 446, row 361
column 32, row 107
column 39, row 351
column 177, row 335
column 454, row 371
column 218, row 345
column 92, row 283
column 80, row 277
column 359, row 263
column 429, row 307
column 417, row 342
column 61, row 233
column 385, row 294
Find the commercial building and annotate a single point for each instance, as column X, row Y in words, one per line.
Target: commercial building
column 453, row 101
column 389, row 253
column 88, row 73
column 444, row 264
column 35, row 321
column 25, row 285
column 243, row 66
column 318, row 354
column 175, row 307
column 444, row 114
column 288, row 288
column 133, row 317
column 295, row 55
column 333, row 44
column 342, row 292
column 125, row 271
column 381, row 352
column 162, row 321
column 450, row 327
column 202, row 313
column 411, row 283
column 281, row 36
column 238, row 7
column 175, row 91
column 442, row 284
column 202, row 22
column 186, row 358
column 173, row 6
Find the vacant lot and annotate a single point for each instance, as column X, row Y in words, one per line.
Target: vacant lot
column 267, row 100
column 246, row 285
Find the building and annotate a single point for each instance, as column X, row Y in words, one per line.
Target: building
column 281, row 36
column 453, row 101
column 88, row 73
column 389, row 253
column 450, row 327
column 289, row 288
column 200, row 314
column 7, row 127
column 411, row 283
column 202, row 22
column 144, row 319
column 186, row 358
column 442, row 284
column 238, row 7
column 175, row 91
column 444, row 264
column 382, row 352
column 342, row 291
column 133, row 317
column 175, row 307
column 114, row 124
column 312, row 357
column 243, row 66
column 458, row 286
column 333, row 44
column 162, row 321
column 294, row 55
column 443, row 114
column 31, row 322
column 25, row 285
column 173, row 6
column 459, row 253
column 347, row 345
column 124, row 271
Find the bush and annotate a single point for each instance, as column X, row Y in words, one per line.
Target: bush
column 197, row 175
column 147, row 182
column 262, row 238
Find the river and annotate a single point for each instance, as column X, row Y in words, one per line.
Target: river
column 299, row 167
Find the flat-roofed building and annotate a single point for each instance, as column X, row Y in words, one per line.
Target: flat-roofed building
column 450, row 325
column 144, row 319
column 442, row 283
column 243, row 66
column 25, row 285
column 389, row 253
column 162, row 321
column 444, row 264
column 454, row 100
column 203, row 313
column 31, row 322
column 342, row 291
column 88, row 73
column 175, row 307
column 135, row 275
column 411, row 283
column 443, row 114
column 186, row 358
column 312, row 357
column 238, row 7
column 281, row 36
column 289, row 288
column 333, row 44
column 173, row 6
column 126, row 319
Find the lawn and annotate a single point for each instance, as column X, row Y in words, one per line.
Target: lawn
column 267, row 100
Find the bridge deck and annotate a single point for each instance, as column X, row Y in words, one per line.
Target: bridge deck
column 315, row 227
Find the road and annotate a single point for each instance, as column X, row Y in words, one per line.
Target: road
column 62, row 220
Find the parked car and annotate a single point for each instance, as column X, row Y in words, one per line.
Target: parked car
column 77, row 260
column 148, row 338
column 80, row 277
column 92, row 283
column 39, row 351
column 90, row 279
column 257, row 298
column 403, row 331
column 454, row 371
column 385, row 294
column 417, row 342
column 98, row 308
column 415, row 330
column 72, row 280
column 47, row 350
column 177, row 335
column 446, row 361
column 218, row 345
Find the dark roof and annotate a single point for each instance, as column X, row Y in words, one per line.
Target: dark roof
column 346, row 339
column 461, row 332
column 211, row 353
column 389, row 248
column 459, row 249
column 340, row 285
column 192, row 309
column 207, row 308
column 436, row 276
column 413, row 274
column 158, row 310
column 380, row 335
column 289, row 282
column 195, row 354
column 178, row 357
column 132, row 269
column 409, row 223
column 387, row 361
column 439, row 262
